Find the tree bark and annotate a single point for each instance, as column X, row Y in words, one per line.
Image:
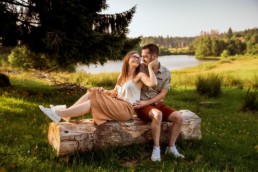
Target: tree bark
column 82, row 136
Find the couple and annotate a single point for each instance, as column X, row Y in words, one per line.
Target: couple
column 140, row 88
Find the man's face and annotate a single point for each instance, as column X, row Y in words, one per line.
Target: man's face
column 147, row 57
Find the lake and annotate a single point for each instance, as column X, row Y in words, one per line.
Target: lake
column 172, row 62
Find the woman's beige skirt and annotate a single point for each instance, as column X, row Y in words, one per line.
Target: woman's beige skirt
column 104, row 107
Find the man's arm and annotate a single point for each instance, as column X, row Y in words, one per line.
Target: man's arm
column 155, row 99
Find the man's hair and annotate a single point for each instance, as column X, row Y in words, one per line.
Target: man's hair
column 153, row 49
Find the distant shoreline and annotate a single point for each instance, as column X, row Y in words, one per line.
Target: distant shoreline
column 172, row 62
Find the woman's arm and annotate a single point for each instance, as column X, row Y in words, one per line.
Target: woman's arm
column 154, row 99
column 150, row 80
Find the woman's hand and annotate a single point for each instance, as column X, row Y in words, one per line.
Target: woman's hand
column 139, row 104
column 153, row 63
column 101, row 89
column 111, row 93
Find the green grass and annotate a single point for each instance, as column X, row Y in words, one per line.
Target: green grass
column 242, row 72
column 229, row 142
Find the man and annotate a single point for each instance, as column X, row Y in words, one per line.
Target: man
column 151, row 107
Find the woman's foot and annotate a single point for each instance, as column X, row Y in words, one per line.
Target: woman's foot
column 57, row 107
column 47, row 111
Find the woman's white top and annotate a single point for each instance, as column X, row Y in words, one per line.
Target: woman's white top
column 128, row 92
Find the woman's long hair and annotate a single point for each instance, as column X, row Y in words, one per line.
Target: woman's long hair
column 125, row 68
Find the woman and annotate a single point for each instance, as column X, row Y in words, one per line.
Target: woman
column 116, row 104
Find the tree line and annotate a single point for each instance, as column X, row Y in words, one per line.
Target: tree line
column 226, row 44
column 211, row 43
column 168, row 42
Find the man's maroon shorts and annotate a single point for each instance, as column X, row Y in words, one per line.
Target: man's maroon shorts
column 143, row 113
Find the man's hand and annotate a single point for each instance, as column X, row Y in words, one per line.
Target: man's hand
column 139, row 104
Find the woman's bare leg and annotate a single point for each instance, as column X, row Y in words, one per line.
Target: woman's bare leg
column 83, row 99
column 78, row 109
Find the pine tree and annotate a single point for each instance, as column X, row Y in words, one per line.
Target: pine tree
column 73, row 31
column 230, row 33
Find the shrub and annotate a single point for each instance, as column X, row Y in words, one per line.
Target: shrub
column 225, row 60
column 22, row 57
column 70, row 68
column 208, row 65
column 4, row 80
column 250, row 101
column 225, row 53
column 3, row 59
column 210, row 85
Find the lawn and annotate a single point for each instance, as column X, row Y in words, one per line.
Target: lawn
column 230, row 136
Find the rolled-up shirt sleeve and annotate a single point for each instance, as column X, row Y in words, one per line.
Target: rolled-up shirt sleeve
column 167, row 81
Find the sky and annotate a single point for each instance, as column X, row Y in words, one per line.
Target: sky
column 185, row 18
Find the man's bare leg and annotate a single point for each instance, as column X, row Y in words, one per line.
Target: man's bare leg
column 177, row 119
column 156, row 117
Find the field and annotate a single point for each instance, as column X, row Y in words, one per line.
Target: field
column 230, row 136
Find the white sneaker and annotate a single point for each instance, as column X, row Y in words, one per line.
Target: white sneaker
column 54, row 108
column 47, row 111
column 155, row 156
column 174, row 151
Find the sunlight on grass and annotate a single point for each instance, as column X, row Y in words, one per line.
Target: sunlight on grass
column 14, row 105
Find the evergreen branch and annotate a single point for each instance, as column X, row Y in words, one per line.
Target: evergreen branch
column 22, row 3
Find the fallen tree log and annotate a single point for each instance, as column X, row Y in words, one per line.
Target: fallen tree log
column 82, row 136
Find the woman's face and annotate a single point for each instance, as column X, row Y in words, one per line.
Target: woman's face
column 134, row 60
